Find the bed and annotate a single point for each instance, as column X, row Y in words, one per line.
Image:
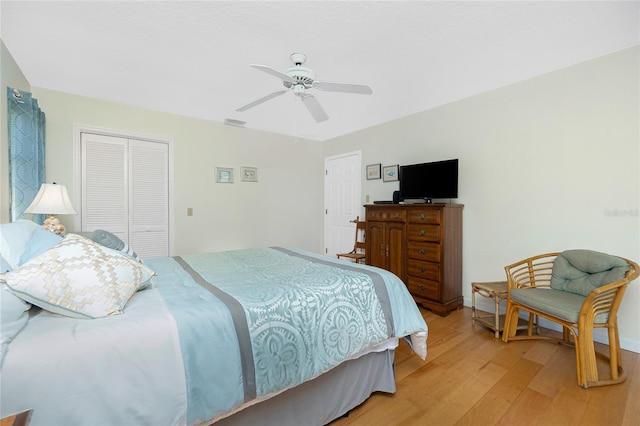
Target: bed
column 255, row 336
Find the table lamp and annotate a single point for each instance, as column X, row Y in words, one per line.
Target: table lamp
column 52, row 199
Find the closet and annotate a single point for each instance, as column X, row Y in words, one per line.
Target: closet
column 125, row 190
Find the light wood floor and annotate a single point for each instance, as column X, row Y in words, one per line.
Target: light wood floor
column 472, row 378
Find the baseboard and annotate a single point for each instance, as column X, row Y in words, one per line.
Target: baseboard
column 599, row 335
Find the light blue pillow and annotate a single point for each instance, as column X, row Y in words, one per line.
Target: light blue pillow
column 14, row 238
column 112, row 241
column 41, row 240
column 13, row 318
column 4, row 265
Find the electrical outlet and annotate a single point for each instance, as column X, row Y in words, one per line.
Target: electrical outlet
column 366, row 199
column 189, row 211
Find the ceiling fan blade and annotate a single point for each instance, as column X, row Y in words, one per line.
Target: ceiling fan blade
column 343, row 87
column 282, row 76
column 314, row 108
column 261, row 100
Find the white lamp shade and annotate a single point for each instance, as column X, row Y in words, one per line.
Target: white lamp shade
column 51, row 199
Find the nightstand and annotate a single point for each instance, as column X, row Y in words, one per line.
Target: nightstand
column 18, row 419
column 496, row 290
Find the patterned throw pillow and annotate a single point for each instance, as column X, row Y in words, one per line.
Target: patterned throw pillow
column 79, row 278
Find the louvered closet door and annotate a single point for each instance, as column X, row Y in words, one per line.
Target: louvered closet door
column 104, row 184
column 125, row 191
column 148, row 198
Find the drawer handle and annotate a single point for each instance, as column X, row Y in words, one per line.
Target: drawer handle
column 421, row 269
column 422, row 216
column 422, row 251
column 396, row 215
column 422, row 232
column 422, row 287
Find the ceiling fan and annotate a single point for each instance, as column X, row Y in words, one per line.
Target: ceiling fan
column 300, row 79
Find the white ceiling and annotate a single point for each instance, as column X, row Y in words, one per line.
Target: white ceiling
column 192, row 58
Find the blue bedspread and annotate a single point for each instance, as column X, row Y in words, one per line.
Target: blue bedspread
column 213, row 332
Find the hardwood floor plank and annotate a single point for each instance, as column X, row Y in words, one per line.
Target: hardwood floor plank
column 529, row 409
column 472, row 378
column 632, row 407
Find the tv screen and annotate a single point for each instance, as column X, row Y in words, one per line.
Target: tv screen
column 425, row 181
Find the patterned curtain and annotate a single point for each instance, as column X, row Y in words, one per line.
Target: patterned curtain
column 26, row 151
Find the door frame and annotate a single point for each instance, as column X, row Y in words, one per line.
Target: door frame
column 78, row 129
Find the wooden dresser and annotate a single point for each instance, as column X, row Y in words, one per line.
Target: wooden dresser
column 421, row 244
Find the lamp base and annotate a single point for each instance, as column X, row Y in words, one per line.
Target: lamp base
column 53, row 224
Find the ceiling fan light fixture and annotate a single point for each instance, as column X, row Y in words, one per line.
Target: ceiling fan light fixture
column 301, row 79
column 299, row 90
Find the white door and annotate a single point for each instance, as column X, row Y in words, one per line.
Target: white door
column 149, row 198
column 125, row 190
column 342, row 200
column 104, row 202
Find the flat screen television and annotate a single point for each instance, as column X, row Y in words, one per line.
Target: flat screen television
column 425, row 181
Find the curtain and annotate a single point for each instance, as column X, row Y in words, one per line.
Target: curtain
column 26, row 151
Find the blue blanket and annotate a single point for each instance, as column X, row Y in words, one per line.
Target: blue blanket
column 282, row 317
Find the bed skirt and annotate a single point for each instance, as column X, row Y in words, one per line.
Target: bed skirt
column 325, row 398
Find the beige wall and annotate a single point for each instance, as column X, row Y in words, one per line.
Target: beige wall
column 546, row 164
column 10, row 76
column 283, row 208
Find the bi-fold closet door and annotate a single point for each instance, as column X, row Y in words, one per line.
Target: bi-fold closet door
column 125, row 190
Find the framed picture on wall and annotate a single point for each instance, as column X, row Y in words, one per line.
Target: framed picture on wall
column 390, row 173
column 249, row 174
column 224, row 175
column 373, row 171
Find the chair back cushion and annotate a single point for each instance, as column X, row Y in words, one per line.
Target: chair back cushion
column 581, row 271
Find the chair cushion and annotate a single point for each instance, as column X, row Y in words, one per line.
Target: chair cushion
column 581, row 271
column 560, row 304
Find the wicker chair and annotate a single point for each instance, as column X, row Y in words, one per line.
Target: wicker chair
column 530, row 289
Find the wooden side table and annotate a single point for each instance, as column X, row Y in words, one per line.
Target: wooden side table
column 496, row 290
column 18, row 419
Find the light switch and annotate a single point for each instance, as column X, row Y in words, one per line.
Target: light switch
column 366, row 200
column 189, row 211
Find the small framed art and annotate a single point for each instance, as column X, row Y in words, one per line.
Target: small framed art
column 390, row 173
column 224, row 175
column 249, row 174
column 373, row 171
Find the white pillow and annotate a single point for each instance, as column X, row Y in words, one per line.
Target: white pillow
column 78, row 278
column 14, row 238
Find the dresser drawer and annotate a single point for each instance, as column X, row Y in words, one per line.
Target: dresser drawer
column 424, row 288
column 423, row 232
column 426, row 270
column 423, row 251
column 424, row 216
column 387, row 215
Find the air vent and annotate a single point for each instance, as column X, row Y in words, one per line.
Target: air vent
column 234, row 122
